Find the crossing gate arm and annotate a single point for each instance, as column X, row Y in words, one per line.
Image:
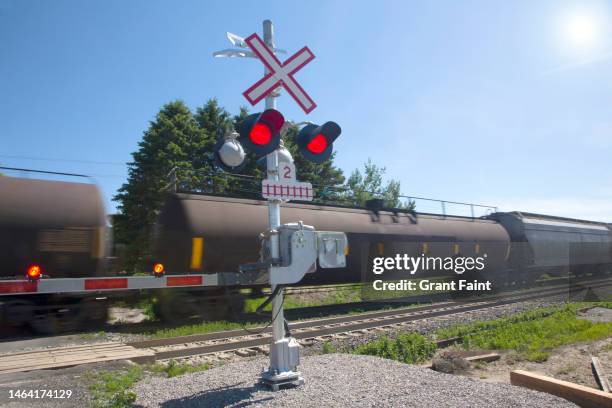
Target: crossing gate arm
column 110, row 284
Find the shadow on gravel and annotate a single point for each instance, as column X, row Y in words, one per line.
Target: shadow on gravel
column 232, row 395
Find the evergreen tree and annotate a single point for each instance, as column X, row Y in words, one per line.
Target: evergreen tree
column 363, row 187
column 171, row 141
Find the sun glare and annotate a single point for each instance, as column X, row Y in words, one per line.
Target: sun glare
column 582, row 31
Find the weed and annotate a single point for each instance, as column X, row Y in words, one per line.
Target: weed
column 328, row 348
column 174, row 369
column 112, row 388
column 408, row 348
column 531, row 333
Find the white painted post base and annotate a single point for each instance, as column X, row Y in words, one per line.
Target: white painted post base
column 284, row 359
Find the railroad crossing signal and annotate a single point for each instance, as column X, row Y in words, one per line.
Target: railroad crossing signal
column 279, row 74
column 316, row 142
column 260, row 132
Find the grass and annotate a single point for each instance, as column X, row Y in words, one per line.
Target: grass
column 174, row 369
column 204, row 327
column 408, row 348
column 92, row 336
column 328, row 348
column 112, row 389
column 296, row 301
column 531, row 335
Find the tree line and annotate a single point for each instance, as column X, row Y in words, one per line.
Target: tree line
column 177, row 149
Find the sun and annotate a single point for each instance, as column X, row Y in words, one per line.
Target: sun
column 582, row 30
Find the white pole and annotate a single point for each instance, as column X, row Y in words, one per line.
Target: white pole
column 278, row 328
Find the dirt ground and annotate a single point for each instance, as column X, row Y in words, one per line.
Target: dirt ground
column 569, row 363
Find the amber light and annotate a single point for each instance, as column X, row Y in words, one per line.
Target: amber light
column 158, row 269
column 34, row 272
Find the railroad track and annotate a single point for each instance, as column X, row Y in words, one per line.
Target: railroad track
column 351, row 325
column 236, row 342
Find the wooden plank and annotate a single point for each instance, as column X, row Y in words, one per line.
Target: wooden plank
column 37, row 356
column 69, row 359
column 484, row 357
column 57, row 358
column 586, row 397
column 481, row 357
column 68, row 348
column 600, row 375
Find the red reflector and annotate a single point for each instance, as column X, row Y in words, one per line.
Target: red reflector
column 115, row 283
column 260, row 134
column 18, row 287
column 183, row 280
column 318, row 144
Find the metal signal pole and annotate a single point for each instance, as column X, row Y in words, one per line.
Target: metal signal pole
column 274, row 204
column 280, row 370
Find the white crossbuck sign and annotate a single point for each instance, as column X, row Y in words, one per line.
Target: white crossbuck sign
column 280, row 74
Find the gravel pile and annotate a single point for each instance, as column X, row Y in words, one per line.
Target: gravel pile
column 337, row 380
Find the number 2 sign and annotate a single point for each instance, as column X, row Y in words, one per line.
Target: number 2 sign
column 286, row 171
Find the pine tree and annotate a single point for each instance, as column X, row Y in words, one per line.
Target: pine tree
column 171, row 141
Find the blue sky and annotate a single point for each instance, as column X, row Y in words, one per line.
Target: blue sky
column 496, row 102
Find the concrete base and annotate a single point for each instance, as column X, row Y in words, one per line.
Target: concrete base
column 276, row 381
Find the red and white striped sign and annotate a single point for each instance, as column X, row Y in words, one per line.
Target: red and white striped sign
column 281, row 74
column 71, row 285
column 282, row 190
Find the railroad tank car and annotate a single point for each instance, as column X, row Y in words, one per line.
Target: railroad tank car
column 57, row 225
column 205, row 234
column 555, row 245
column 60, row 227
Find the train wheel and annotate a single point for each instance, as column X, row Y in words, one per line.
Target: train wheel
column 93, row 313
column 55, row 321
column 17, row 313
column 178, row 307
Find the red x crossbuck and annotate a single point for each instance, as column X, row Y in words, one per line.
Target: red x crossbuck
column 280, row 74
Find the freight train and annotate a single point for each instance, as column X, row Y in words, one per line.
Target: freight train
column 60, row 228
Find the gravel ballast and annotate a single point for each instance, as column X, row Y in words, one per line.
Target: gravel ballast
column 337, row 380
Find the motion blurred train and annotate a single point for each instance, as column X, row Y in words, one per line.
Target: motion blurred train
column 61, row 227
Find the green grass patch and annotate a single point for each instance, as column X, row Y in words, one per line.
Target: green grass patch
column 111, row 389
column 92, row 336
column 295, row 301
column 328, row 348
column 531, row 334
column 174, row 369
column 408, row 348
column 200, row 328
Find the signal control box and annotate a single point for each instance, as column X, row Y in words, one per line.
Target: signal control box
column 301, row 246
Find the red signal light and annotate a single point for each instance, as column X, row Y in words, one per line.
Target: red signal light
column 34, row 272
column 318, row 144
column 260, row 134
